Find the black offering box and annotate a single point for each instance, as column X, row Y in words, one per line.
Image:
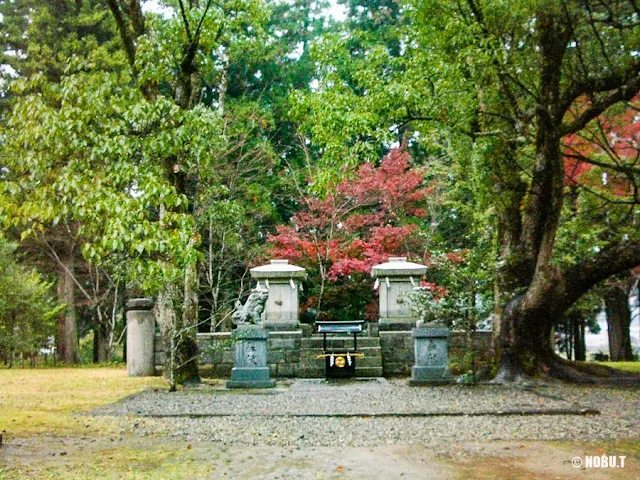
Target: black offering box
column 340, row 362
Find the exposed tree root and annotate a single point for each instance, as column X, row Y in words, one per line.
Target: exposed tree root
column 554, row 367
column 580, row 372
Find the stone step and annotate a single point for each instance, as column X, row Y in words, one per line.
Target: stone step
column 312, row 352
column 319, row 372
column 370, row 361
column 339, row 342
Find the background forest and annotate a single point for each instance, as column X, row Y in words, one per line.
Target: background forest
column 165, row 148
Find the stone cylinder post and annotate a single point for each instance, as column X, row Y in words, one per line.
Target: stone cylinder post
column 140, row 338
column 395, row 281
column 283, row 281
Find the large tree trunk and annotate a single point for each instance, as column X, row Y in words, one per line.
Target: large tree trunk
column 178, row 334
column 580, row 347
column 189, row 353
column 101, row 350
column 616, row 301
column 528, row 319
column 67, row 324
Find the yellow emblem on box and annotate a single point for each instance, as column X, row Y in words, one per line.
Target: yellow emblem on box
column 340, row 362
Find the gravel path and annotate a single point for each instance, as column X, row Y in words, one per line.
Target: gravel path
column 264, row 417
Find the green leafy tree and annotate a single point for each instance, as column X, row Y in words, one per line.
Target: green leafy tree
column 501, row 86
column 28, row 307
column 42, row 39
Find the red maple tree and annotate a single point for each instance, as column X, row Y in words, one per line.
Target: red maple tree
column 610, row 145
column 362, row 222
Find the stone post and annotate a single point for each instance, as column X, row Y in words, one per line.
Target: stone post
column 140, row 338
column 431, row 357
column 283, row 281
column 395, row 280
column 250, row 369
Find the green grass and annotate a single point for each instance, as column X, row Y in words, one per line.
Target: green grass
column 34, row 401
column 627, row 366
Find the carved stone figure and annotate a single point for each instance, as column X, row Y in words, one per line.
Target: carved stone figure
column 251, row 311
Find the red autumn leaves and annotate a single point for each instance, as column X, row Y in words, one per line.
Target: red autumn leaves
column 361, row 222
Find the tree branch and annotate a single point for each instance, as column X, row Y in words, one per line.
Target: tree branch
column 125, row 34
column 610, row 261
column 624, row 92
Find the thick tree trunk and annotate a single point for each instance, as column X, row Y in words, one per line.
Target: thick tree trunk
column 580, row 347
column 618, row 313
column 525, row 340
column 67, row 323
column 188, row 371
column 181, row 359
column 101, row 352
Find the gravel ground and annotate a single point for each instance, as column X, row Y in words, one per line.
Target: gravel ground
column 264, row 417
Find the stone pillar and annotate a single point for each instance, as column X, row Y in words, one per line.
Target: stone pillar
column 282, row 280
column 250, row 369
column 395, row 281
column 431, row 357
column 140, row 338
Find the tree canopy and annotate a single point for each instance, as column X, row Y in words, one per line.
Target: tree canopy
column 173, row 151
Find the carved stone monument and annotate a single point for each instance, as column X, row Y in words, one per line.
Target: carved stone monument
column 395, row 281
column 250, row 370
column 282, row 280
column 431, row 357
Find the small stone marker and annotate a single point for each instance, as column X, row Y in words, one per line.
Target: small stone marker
column 431, row 363
column 250, row 369
column 140, row 338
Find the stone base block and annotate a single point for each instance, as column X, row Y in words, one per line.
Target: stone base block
column 250, row 378
column 396, row 324
column 426, row 375
column 281, row 326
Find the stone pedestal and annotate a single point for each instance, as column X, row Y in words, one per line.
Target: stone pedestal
column 395, row 281
column 140, row 338
column 282, row 280
column 250, row 369
column 431, row 359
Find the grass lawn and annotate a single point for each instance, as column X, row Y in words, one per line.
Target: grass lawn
column 34, row 401
column 628, row 366
column 44, row 439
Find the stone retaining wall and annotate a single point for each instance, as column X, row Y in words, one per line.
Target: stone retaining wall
column 285, row 352
column 217, row 356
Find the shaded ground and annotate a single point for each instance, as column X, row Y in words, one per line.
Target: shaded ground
column 115, row 441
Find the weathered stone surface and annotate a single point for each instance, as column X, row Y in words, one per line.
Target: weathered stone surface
column 396, row 280
column 251, row 370
column 278, row 269
column 140, row 338
column 431, row 356
column 282, row 280
column 398, row 267
column 251, row 311
column 139, row 304
column 293, row 355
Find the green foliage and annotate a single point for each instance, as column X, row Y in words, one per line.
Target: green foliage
column 28, row 309
column 83, row 154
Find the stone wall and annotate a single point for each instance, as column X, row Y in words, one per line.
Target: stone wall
column 217, row 357
column 398, row 353
column 285, row 357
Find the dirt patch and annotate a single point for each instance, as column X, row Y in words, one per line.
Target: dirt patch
column 131, row 457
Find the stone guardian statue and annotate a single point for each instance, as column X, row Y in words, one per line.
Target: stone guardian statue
column 251, row 311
